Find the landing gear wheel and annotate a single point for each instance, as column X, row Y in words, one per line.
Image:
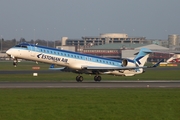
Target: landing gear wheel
column 79, row 78
column 97, row 78
column 14, row 64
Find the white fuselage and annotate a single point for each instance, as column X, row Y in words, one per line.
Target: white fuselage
column 72, row 60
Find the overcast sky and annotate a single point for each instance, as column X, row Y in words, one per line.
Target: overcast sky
column 53, row 19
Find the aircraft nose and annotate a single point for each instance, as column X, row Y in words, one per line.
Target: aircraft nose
column 9, row 52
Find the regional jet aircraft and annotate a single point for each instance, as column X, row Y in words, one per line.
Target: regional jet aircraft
column 174, row 59
column 80, row 63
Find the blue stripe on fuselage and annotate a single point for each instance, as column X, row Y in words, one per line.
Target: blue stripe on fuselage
column 87, row 57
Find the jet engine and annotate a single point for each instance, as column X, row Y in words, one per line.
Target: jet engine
column 128, row 63
column 124, row 62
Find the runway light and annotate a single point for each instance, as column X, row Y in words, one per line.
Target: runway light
column 35, row 74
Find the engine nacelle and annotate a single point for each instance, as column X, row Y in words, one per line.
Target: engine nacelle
column 128, row 63
column 124, row 62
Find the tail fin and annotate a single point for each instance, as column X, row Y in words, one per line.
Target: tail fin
column 142, row 56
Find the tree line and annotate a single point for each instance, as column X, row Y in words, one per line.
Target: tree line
column 6, row 44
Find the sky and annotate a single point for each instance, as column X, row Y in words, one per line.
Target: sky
column 53, row 19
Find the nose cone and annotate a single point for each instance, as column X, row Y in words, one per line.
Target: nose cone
column 8, row 52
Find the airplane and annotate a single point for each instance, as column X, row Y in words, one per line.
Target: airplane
column 174, row 59
column 80, row 63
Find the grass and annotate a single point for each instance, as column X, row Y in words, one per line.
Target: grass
column 25, row 65
column 66, row 76
column 90, row 104
column 87, row 104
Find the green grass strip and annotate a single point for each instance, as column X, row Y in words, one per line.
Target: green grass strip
column 90, row 104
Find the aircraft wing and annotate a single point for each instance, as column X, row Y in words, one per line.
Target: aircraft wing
column 52, row 68
column 111, row 68
column 120, row 68
column 62, row 68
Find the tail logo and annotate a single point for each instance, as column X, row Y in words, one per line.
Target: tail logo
column 137, row 60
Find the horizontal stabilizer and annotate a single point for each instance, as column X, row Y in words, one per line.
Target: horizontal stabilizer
column 157, row 64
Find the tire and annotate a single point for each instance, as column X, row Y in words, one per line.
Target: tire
column 80, row 78
column 77, row 78
column 98, row 78
column 95, row 78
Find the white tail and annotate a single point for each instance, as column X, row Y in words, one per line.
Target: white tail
column 142, row 56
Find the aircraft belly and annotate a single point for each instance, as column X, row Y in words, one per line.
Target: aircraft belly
column 122, row 72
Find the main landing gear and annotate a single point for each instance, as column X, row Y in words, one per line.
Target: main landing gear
column 79, row 78
column 97, row 78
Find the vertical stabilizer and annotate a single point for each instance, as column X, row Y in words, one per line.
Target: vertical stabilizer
column 142, row 56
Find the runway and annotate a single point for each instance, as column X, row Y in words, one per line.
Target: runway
column 107, row 84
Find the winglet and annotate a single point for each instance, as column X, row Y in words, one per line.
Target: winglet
column 53, row 68
column 157, row 64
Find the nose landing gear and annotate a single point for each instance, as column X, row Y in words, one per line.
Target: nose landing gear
column 15, row 62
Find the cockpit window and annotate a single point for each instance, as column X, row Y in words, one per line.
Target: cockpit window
column 21, row 46
column 17, row 46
